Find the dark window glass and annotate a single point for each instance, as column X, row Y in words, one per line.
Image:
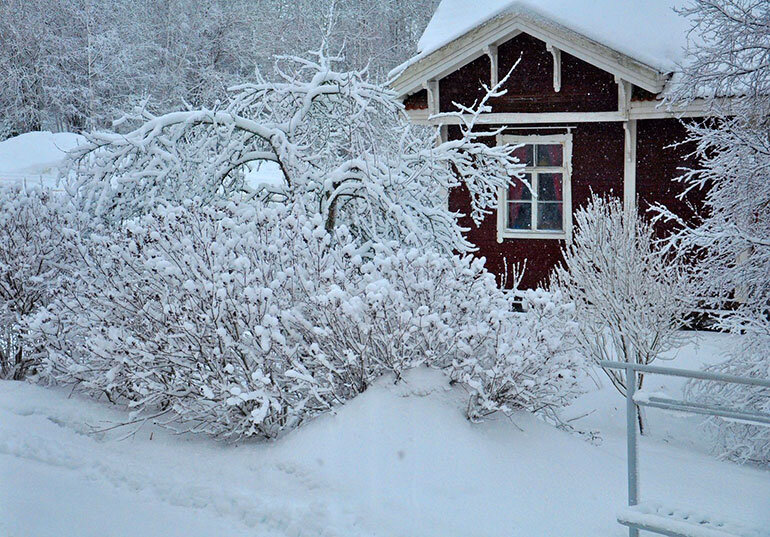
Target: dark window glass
column 524, row 154
column 519, row 190
column 549, row 155
column 549, row 187
column 549, row 216
column 519, row 215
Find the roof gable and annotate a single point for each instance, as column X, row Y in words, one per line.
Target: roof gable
column 638, row 45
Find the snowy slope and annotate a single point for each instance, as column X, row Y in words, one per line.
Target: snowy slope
column 397, row 460
column 648, row 31
column 35, row 156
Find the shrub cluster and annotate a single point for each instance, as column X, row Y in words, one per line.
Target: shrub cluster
column 237, row 319
column 35, row 230
column 738, row 440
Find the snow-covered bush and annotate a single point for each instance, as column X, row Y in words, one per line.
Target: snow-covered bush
column 399, row 308
column 736, row 440
column 528, row 360
column 183, row 311
column 34, row 231
column 239, row 319
column 631, row 297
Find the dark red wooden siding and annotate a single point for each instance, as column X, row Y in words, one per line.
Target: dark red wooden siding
column 464, row 85
column 597, row 152
column 597, row 166
column 584, row 88
column 659, row 162
column 416, row 101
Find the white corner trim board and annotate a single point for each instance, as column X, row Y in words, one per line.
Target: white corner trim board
column 629, row 168
column 431, row 86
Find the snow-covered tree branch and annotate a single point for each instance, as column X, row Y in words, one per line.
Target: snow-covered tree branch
column 342, row 142
column 631, row 297
column 729, row 67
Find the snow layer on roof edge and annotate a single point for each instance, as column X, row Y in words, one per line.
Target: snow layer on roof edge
column 652, row 33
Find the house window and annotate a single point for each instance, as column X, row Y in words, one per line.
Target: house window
column 545, row 210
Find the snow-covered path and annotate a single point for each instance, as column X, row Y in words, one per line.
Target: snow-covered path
column 398, row 460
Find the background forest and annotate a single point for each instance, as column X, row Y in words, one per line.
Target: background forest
column 71, row 65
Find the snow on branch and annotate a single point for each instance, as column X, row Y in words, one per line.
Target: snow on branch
column 343, row 144
column 729, row 67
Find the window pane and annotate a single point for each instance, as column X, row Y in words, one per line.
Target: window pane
column 524, row 154
column 549, row 155
column 519, row 215
column 549, row 215
column 549, row 187
column 518, row 190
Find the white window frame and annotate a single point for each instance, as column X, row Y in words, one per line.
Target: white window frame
column 566, row 232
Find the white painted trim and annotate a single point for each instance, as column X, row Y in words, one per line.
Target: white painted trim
column 629, row 168
column 659, row 110
column 624, row 96
column 500, row 29
column 556, row 53
column 516, row 118
column 443, row 134
column 494, row 69
column 555, row 235
column 431, row 86
column 419, row 116
column 566, row 232
column 637, row 110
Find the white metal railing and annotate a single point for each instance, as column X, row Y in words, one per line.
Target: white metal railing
column 632, row 409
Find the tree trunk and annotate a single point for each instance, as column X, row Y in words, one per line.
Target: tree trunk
column 638, row 408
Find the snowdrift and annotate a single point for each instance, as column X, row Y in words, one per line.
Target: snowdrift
column 397, row 460
column 35, row 156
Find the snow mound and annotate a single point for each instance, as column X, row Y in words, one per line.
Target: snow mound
column 400, row 459
column 35, row 155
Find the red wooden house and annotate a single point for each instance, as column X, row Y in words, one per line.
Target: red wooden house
column 585, row 100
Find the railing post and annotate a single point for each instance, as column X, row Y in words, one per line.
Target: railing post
column 632, row 443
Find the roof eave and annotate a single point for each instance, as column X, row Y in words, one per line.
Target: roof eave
column 500, row 29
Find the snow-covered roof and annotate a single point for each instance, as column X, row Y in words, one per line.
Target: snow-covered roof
column 649, row 32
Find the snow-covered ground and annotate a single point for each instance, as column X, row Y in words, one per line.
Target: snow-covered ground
column 34, row 157
column 398, row 460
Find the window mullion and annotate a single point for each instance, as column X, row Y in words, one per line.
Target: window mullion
column 534, row 199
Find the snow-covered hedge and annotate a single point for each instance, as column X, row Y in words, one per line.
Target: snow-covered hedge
column 237, row 320
column 35, row 227
column 187, row 310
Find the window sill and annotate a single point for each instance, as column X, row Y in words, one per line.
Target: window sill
column 558, row 235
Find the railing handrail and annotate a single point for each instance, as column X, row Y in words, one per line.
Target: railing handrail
column 702, row 375
column 632, row 414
